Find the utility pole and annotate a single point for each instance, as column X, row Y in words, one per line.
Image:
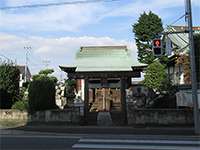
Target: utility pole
column 193, row 68
column 27, row 48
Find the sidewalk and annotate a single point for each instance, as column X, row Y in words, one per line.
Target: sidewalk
column 108, row 130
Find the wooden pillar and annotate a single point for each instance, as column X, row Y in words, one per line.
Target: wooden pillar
column 86, row 99
column 128, row 82
column 123, row 98
column 104, row 98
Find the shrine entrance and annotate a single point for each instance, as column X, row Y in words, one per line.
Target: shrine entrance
column 104, row 95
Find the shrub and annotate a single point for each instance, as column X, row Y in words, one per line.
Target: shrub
column 20, row 105
column 69, row 91
column 156, row 77
column 42, row 94
column 25, row 84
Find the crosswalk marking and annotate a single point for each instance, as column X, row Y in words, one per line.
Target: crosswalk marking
column 139, row 141
column 137, row 144
column 138, row 147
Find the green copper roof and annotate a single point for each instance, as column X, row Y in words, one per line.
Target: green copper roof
column 104, row 58
column 180, row 40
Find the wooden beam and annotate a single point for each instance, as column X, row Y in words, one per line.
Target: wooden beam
column 123, row 98
column 112, row 74
column 86, row 99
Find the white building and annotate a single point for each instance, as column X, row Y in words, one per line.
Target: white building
column 22, row 69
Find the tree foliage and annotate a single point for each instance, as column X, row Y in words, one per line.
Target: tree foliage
column 46, row 73
column 42, row 91
column 9, row 85
column 69, row 91
column 156, row 77
column 21, row 105
column 184, row 60
column 149, row 25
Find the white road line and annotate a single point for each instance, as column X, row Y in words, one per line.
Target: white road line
column 139, row 141
column 41, row 136
column 139, row 147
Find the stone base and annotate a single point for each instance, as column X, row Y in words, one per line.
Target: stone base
column 104, row 119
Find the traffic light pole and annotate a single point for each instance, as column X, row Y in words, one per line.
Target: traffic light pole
column 193, row 68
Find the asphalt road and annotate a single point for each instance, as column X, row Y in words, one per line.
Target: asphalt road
column 41, row 141
column 21, row 142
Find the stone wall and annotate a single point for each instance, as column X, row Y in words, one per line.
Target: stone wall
column 184, row 98
column 10, row 114
column 159, row 116
column 66, row 116
column 139, row 95
column 70, row 115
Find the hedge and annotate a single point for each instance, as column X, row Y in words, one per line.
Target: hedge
column 42, row 94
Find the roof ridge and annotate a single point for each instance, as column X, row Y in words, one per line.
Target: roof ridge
column 102, row 47
column 182, row 27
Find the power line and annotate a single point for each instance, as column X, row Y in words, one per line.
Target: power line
column 55, row 4
column 175, row 21
column 1, row 55
column 8, row 60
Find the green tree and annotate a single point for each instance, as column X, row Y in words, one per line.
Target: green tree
column 69, row 91
column 156, row 77
column 46, row 73
column 9, row 85
column 149, row 25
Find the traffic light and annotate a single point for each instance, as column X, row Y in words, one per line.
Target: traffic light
column 157, row 47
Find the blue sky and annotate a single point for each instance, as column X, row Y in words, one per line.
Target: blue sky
column 56, row 33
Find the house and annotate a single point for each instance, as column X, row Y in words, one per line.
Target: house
column 177, row 50
column 23, row 69
column 102, row 74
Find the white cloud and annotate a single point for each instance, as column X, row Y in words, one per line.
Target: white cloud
column 60, row 51
column 62, row 18
column 73, row 17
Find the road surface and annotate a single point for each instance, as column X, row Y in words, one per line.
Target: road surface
column 52, row 141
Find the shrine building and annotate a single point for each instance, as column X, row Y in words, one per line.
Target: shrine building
column 102, row 74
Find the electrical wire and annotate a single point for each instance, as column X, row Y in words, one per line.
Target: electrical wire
column 55, row 4
column 177, row 20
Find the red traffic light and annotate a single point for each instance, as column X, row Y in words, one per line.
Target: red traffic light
column 157, row 47
column 157, row 43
